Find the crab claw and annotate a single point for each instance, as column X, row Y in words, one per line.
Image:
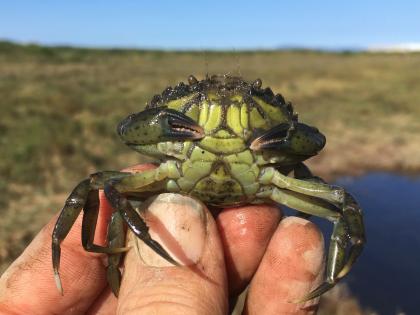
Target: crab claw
column 292, row 138
column 157, row 125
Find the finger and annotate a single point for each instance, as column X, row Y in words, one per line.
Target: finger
column 151, row 285
column 28, row 286
column 245, row 233
column 105, row 304
column 291, row 267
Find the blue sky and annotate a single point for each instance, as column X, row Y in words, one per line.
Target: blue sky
column 211, row 24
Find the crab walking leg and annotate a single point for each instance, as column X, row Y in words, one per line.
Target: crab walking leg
column 348, row 230
column 354, row 218
column 301, row 171
column 351, row 213
column 331, row 193
column 84, row 195
column 68, row 216
column 116, row 239
column 139, row 182
column 91, row 211
column 134, row 221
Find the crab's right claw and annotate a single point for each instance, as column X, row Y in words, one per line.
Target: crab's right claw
column 157, row 125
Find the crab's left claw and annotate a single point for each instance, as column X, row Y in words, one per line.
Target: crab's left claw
column 292, row 138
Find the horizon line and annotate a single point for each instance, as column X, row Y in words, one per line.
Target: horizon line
column 396, row 47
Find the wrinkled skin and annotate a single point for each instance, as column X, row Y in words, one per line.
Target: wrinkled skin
column 225, row 142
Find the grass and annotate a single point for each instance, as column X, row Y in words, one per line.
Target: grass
column 60, row 105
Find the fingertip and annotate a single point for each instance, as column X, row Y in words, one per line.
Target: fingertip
column 186, row 230
column 291, row 267
column 245, row 233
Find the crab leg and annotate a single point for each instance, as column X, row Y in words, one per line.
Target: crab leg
column 324, row 191
column 68, row 216
column 352, row 214
column 91, row 211
column 348, row 231
column 116, row 239
column 301, row 171
column 134, row 221
column 114, row 191
column 84, row 195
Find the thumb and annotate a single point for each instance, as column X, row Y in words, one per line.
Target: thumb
column 151, row 285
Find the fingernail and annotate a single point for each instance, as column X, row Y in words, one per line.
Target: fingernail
column 178, row 223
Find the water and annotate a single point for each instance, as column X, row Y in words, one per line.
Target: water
column 387, row 276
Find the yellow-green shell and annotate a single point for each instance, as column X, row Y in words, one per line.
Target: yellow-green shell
column 220, row 169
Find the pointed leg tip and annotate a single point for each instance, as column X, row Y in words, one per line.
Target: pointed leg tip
column 320, row 290
column 158, row 249
column 58, row 282
column 169, row 259
column 114, row 279
column 115, row 290
column 343, row 272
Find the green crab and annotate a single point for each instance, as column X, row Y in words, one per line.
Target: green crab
column 226, row 142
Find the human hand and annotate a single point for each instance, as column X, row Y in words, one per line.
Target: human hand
column 242, row 246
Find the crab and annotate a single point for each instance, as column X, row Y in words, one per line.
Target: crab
column 226, row 142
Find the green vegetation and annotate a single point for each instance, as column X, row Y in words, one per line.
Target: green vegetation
column 60, row 106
